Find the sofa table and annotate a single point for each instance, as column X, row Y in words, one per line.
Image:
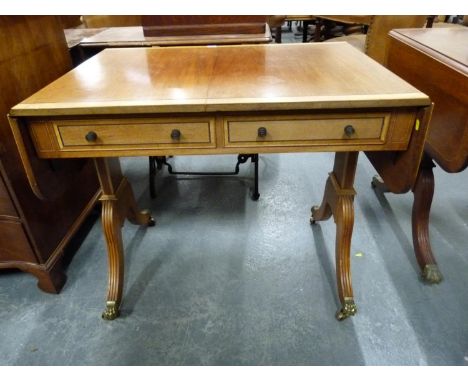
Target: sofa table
column 436, row 61
column 220, row 100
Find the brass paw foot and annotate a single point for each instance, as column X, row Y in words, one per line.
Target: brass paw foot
column 431, row 274
column 111, row 312
column 348, row 309
column 313, row 210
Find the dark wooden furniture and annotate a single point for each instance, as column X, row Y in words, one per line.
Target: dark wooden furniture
column 436, row 62
column 85, row 43
column 120, row 37
column 374, row 40
column 220, row 100
column 199, row 25
column 33, row 232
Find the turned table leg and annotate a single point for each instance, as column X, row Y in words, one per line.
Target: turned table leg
column 118, row 203
column 338, row 201
column 423, row 192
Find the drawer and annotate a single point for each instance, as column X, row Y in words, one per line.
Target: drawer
column 306, row 130
column 143, row 132
column 6, row 204
column 14, row 243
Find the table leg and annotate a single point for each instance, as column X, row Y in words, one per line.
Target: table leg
column 318, row 30
column 338, row 201
column 118, row 203
column 423, row 191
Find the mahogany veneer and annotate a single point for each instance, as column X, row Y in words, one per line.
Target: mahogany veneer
column 216, row 100
column 435, row 61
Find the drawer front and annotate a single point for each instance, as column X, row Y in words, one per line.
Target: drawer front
column 6, row 204
column 306, row 130
column 190, row 132
column 14, row 243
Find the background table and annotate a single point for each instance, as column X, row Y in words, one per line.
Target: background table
column 436, row 62
column 85, row 43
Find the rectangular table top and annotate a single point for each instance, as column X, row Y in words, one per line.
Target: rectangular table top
column 222, row 78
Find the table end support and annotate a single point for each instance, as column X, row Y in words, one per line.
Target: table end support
column 338, row 202
column 423, row 192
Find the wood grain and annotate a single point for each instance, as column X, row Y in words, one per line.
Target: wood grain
column 338, row 201
column 374, row 130
column 440, row 69
column 295, row 131
column 201, row 79
column 118, row 203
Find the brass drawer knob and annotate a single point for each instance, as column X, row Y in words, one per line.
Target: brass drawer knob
column 349, row 130
column 262, row 132
column 175, row 134
column 91, row 136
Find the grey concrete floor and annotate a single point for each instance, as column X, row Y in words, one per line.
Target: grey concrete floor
column 224, row 280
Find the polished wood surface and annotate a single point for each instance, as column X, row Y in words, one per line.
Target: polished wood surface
column 74, row 36
column 134, row 37
column 122, row 102
column 222, row 134
column 338, row 202
column 447, row 44
column 435, row 61
column 222, row 78
column 105, row 21
column 32, row 54
column 196, row 25
column 328, row 128
column 443, row 53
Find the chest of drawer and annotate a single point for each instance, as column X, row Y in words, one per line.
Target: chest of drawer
column 6, row 204
column 297, row 130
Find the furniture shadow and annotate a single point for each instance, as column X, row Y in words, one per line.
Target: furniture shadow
column 217, row 189
column 328, row 268
column 392, row 220
column 424, row 306
column 134, row 292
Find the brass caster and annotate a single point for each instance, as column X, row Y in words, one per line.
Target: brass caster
column 151, row 222
column 313, row 210
column 111, row 312
column 431, row 274
column 377, row 183
column 348, row 309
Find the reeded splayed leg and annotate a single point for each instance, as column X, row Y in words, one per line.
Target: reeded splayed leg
column 118, row 203
column 423, row 192
column 338, row 201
